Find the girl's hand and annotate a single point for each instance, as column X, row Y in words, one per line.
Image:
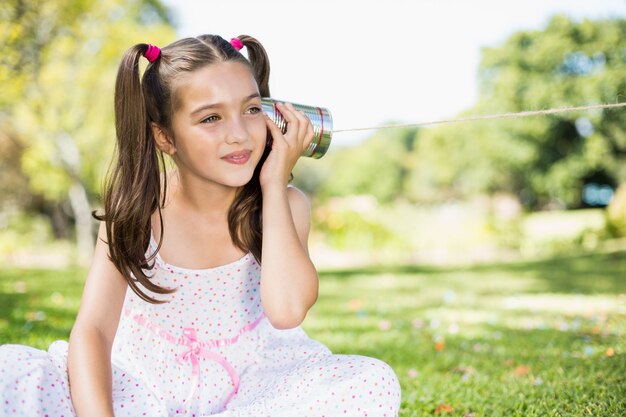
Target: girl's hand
column 287, row 148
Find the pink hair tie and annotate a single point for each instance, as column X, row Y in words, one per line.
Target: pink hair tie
column 236, row 43
column 152, row 53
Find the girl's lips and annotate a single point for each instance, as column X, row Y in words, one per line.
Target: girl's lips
column 237, row 158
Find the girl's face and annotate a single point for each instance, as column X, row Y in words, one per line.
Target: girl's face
column 218, row 124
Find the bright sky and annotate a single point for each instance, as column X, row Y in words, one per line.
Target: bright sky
column 372, row 62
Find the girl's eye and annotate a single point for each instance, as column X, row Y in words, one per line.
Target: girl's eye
column 254, row 110
column 211, row 119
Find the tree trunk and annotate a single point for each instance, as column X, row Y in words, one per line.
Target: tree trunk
column 84, row 223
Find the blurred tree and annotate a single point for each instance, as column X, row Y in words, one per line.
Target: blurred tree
column 59, row 59
column 13, row 183
column 377, row 166
column 616, row 213
column 458, row 161
column 569, row 63
column 545, row 160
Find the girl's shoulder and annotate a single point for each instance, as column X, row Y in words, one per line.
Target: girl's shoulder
column 298, row 199
column 300, row 207
column 295, row 191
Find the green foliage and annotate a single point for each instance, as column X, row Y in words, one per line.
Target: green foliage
column 29, row 31
column 23, row 230
column 377, row 167
column 561, row 232
column 545, row 160
column 481, row 230
column 356, row 224
column 526, row 339
column 566, row 64
column 462, row 161
column 60, row 59
column 616, row 213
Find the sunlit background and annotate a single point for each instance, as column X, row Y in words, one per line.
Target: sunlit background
column 485, row 261
column 444, row 194
column 373, row 62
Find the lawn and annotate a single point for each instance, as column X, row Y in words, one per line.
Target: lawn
column 523, row 339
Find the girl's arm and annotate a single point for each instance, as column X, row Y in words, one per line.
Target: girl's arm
column 89, row 359
column 288, row 277
column 289, row 283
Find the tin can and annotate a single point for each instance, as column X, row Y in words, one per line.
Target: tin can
column 320, row 119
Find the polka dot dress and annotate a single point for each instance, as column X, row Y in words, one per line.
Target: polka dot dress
column 209, row 351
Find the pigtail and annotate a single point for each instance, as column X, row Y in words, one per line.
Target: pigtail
column 259, row 61
column 132, row 191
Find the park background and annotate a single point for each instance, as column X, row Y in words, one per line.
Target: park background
column 485, row 261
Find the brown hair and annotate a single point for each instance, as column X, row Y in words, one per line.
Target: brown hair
column 132, row 191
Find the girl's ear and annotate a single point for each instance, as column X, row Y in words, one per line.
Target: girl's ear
column 162, row 140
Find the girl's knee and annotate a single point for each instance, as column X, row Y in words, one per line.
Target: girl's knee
column 379, row 369
column 382, row 385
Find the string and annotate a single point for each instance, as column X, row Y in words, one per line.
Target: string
column 511, row 115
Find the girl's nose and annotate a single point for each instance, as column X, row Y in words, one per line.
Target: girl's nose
column 238, row 131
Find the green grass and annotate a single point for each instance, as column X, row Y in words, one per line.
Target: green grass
column 525, row 339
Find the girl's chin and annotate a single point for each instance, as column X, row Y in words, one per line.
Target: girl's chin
column 238, row 181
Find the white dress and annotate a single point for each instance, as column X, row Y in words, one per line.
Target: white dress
column 209, row 351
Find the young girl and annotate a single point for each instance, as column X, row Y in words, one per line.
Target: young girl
column 201, row 276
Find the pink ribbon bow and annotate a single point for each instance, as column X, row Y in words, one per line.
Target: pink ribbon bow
column 194, row 353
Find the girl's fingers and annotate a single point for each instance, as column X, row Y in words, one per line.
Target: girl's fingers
column 277, row 134
column 304, row 124
column 299, row 132
column 296, row 124
column 310, row 134
column 302, row 129
column 290, row 117
column 306, row 132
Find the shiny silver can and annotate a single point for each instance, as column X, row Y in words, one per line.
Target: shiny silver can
column 320, row 119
